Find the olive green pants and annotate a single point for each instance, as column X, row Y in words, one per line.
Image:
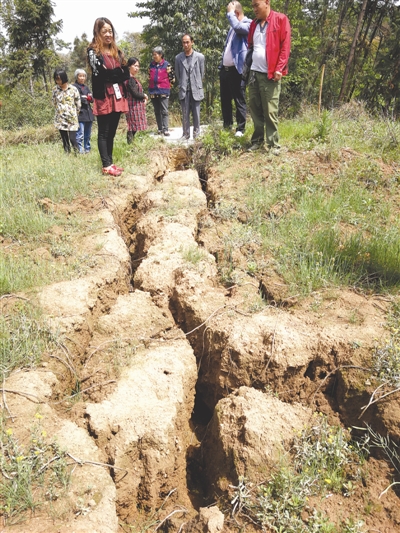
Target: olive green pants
column 264, row 104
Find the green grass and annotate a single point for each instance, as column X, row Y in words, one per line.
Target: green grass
column 350, row 126
column 322, row 226
column 32, row 173
column 24, row 337
column 32, row 473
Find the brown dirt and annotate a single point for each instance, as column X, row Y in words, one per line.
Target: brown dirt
column 312, row 351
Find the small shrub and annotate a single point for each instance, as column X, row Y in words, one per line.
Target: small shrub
column 31, row 474
column 322, row 459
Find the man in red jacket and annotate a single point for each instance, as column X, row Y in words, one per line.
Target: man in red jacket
column 269, row 38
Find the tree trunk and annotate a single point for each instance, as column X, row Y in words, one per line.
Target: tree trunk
column 352, row 53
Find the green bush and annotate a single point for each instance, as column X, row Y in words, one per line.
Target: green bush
column 21, row 109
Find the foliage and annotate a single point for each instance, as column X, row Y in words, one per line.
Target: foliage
column 322, row 459
column 131, row 44
column 22, row 108
column 31, row 474
column 30, row 29
column 78, row 56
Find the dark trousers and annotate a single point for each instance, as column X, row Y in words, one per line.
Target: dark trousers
column 161, row 111
column 189, row 104
column 68, row 138
column 107, row 128
column 232, row 88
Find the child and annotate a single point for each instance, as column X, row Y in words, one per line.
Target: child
column 85, row 116
column 67, row 101
column 137, row 100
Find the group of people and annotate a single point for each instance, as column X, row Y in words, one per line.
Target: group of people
column 260, row 48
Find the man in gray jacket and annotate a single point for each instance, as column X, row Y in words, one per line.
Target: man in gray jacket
column 189, row 74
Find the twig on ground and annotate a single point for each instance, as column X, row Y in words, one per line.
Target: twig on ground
column 84, row 390
column 335, row 370
column 95, row 463
column 372, row 401
column 14, row 296
column 207, row 319
column 4, row 399
column 70, row 368
column 24, row 394
column 182, row 510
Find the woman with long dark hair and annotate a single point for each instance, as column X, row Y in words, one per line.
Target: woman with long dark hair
column 109, row 71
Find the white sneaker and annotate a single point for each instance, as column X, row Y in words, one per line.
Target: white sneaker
column 239, row 134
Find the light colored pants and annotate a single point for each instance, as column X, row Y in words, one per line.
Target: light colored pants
column 189, row 104
column 264, row 105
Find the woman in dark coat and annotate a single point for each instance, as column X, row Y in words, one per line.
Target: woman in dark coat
column 109, row 72
column 85, row 116
column 137, row 100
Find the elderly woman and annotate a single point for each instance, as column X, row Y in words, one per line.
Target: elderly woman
column 161, row 78
column 85, row 116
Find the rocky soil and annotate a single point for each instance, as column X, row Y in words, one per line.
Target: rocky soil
column 184, row 387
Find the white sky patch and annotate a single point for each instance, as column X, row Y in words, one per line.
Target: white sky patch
column 78, row 17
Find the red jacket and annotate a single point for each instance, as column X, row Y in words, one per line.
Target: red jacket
column 277, row 48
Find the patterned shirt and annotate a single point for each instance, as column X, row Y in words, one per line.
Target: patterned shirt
column 68, row 104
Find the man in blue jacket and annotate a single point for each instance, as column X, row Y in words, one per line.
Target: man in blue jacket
column 231, row 67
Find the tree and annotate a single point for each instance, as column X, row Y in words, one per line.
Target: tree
column 30, row 29
column 171, row 19
column 78, row 57
column 131, row 44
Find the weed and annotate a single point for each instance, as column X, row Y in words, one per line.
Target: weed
column 324, row 126
column 224, row 211
column 24, row 337
column 322, row 459
column 31, row 474
column 193, row 255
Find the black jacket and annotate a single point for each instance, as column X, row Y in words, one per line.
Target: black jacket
column 102, row 75
column 86, row 113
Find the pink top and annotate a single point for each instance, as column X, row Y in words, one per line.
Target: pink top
column 110, row 104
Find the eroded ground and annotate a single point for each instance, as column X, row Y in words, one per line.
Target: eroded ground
column 150, row 340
